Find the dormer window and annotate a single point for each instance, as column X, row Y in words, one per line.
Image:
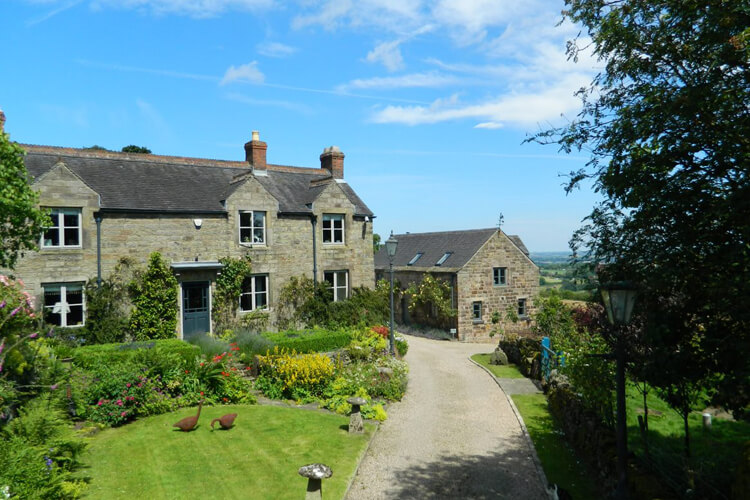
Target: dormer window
column 252, row 227
column 65, row 231
column 415, row 259
column 443, row 258
column 333, row 228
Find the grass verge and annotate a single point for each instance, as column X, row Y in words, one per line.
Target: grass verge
column 558, row 460
column 258, row 458
column 500, row 371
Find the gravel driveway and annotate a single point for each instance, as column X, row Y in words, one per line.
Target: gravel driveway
column 454, row 435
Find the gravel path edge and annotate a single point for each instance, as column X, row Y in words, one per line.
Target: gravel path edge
column 360, row 459
column 524, row 430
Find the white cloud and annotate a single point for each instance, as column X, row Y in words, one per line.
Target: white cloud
column 489, row 125
column 387, row 53
column 247, row 73
column 413, row 80
column 291, row 106
column 514, row 108
column 275, row 49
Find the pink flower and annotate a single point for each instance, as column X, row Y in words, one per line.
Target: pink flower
column 119, row 402
column 53, row 387
column 123, row 414
column 127, row 385
column 99, row 403
column 34, row 335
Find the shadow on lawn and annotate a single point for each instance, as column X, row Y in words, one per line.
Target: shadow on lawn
column 497, row 475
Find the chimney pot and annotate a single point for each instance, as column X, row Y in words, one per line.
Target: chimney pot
column 255, row 152
column 332, row 160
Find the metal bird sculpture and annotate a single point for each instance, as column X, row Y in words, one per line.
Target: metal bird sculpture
column 225, row 422
column 188, row 423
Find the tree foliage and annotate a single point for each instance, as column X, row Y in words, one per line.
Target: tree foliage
column 667, row 123
column 21, row 221
column 136, row 149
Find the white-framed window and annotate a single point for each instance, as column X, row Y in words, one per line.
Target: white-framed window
column 252, row 227
column 476, row 311
column 338, row 283
column 254, row 294
column 333, row 228
column 499, row 276
column 522, row 308
column 64, row 304
column 65, row 231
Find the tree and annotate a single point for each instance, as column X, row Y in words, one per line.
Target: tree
column 21, row 221
column 667, row 123
column 136, row 149
column 376, row 242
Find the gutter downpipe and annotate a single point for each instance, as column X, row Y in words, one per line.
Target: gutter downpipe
column 314, row 222
column 98, row 219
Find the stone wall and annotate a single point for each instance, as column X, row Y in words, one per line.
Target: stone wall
column 475, row 284
column 287, row 252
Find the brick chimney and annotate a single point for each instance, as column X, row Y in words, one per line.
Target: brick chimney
column 332, row 160
column 2, row 121
column 255, row 152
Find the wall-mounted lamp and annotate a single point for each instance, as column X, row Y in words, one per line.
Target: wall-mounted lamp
column 198, row 223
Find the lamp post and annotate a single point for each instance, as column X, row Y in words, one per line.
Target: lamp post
column 390, row 247
column 619, row 298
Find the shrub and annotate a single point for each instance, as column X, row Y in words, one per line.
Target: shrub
column 106, row 314
column 208, row 345
column 314, row 340
column 291, row 375
column 402, row 347
column 154, row 295
column 18, row 331
column 38, row 453
column 95, row 355
column 251, row 343
column 336, row 400
column 368, row 343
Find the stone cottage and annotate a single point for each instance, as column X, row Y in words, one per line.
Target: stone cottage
column 489, row 273
column 291, row 221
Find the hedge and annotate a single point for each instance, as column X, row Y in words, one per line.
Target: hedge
column 92, row 355
column 316, row 340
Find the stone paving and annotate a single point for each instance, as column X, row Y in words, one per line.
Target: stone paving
column 455, row 435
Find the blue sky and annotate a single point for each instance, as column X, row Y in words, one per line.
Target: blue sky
column 429, row 100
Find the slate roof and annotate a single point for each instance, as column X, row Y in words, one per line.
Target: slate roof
column 463, row 244
column 174, row 184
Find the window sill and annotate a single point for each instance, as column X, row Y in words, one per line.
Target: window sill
column 57, row 249
column 255, row 311
column 334, row 244
column 253, row 245
column 477, row 321
column 504, row 285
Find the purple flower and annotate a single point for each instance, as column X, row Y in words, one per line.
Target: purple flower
column 53, row 387
column 2, row 304
column 51, row 332
column 15, row 311
column 34, row 335
column 49, row 462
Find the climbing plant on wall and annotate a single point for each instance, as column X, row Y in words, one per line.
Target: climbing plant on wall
column 226, row 298
column 154, row 295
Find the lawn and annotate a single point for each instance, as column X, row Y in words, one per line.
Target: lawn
column 258, row 458
column 558, row 460
column 714, row 454
column 500, row 371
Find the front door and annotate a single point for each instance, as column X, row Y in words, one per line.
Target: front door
column 196, row 317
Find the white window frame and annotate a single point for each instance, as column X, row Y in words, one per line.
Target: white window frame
column 61, row 212
column 331, row 231
column 252, row 227
column 496, row 275
column 335, row 285
column 63, row 305
column 523, row 304
column 474, row 317
column 253, row 293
